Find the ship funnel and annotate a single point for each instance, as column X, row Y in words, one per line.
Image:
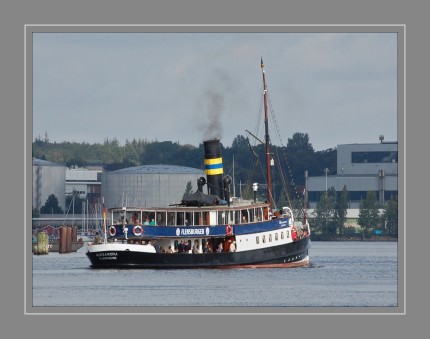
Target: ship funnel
column 213, row 167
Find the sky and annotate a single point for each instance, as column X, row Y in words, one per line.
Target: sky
column 339, row 88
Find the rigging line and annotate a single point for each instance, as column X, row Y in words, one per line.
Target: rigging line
column 272, row 113
column 261, row 165
column 259, row 112
column 284, row 182
column 70, row 205
column 258, row 119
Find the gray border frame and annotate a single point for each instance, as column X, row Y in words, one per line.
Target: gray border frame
column 401, row 32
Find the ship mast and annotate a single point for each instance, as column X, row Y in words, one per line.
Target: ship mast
column 267, row 139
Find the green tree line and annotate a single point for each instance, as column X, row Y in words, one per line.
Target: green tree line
column 330, row 216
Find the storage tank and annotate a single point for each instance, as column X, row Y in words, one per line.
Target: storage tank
column 148, row 185
column 48, row 178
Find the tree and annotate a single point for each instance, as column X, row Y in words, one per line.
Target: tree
column 74, row 203
column 391, row 217
column 369, row 214
column 299, row 143
column 324, row 215
column 188, row 190
column 51, row 206
column 341, row 210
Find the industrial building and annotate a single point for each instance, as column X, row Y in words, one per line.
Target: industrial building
column 48, row 178
column 149, row 185
column 84, row 182
column 361, row 168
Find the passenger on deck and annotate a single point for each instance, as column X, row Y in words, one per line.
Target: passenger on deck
column 232, row 247
column 206, row 248
column 219, row 249
column 134, row 219
column 156, row 245
column 187, row 247
column 181, row 247
column 169, row 250
column 196, row 247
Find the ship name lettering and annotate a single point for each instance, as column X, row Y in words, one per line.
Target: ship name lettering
column 192, row 231
column 107, row 254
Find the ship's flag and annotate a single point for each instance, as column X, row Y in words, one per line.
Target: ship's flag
column 262, row 65
column 104, row 212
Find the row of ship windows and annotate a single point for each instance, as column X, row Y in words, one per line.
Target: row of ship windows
column 264, row 238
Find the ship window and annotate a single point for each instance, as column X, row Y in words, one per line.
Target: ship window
column 180, row 220
column 276, row 236
column 161, row 218
column 189, row 217
column 270, row 238
column 151, row 218
column 258, row 214
column 288, row 233
column 257, row 239
column 231, row 218
column 206, row 220
column 171, row 218
column 197, row 218
column 237, row 217
column 264, row 238
column 244, row 218
column 282, row 235
column 222, row 218
column 251, row 215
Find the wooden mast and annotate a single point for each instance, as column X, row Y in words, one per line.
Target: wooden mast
column 266, row 126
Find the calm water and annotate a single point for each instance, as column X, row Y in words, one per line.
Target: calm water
column 340, row 274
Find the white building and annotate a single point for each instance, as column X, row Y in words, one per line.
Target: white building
column 361, row 168
column 85, row 182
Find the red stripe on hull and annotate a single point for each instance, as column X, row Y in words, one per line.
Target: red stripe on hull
column 302, row 263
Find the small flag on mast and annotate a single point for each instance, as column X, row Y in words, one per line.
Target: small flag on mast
column 262, row 65
column 104, row 213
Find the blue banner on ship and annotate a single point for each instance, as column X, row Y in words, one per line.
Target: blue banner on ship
column 198, row 231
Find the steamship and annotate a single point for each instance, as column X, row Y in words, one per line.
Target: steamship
column 208, row 229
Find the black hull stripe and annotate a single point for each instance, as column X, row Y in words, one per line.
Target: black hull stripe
column 283, row 254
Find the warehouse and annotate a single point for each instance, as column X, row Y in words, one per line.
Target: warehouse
column 361, row 168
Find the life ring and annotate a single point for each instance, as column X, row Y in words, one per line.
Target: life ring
column 228, row 230
column 112, row 231
column 137, row 230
